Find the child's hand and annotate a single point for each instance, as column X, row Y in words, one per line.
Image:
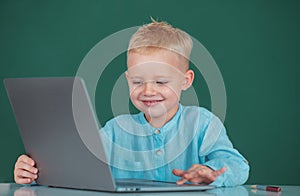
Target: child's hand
column 25, row 171
column 198, row 174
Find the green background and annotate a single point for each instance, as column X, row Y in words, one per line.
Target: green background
column 255, row 44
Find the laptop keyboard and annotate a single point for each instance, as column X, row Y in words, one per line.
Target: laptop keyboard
column 144, row 183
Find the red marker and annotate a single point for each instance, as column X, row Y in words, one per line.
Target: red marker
column 266, row 188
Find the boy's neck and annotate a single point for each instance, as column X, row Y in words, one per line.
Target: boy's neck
column 161, row 121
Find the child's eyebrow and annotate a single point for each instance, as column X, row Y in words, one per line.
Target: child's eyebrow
column 135, row 77
column 165, row 76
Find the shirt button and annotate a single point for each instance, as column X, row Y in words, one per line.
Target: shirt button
column 157, row 131
column 159, row 152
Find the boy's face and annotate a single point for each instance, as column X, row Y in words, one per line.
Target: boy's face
column 155, row 83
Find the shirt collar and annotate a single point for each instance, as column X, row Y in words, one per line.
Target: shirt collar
column 173, row 121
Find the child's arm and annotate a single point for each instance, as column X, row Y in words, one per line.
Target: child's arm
column 216, row 154
column 222, row 153
column 217, row 151
column 25, row 171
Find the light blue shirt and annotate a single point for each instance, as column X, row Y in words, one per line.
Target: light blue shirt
column 193, row 136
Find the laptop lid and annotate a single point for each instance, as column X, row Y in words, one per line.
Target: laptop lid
column 45, row 117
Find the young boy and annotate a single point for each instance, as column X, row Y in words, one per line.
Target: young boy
column 166, row 141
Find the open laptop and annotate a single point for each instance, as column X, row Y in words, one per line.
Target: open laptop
column 49, row 112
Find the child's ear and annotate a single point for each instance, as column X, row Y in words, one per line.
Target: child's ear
column 127, row 77
column 188, row 79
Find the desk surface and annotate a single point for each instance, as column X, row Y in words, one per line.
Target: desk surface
column 19, row 190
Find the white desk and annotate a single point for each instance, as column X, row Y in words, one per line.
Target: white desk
column 19, row 190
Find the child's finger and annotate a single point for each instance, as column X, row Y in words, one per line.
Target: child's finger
column 26, row 159
column 181, row 181
column 23, row 180
column 27, row 167
column 191, row 174
column 178, row 172
column 25, row 174
column 220, row 171
column 197, row 180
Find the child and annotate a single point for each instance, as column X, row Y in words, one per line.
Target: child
column 166, row 141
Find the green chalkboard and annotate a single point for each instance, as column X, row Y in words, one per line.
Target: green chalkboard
column 255, row 44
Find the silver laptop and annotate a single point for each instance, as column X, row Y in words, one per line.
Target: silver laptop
column 44, row 111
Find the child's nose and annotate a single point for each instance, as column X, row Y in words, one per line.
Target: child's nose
column 149, row 88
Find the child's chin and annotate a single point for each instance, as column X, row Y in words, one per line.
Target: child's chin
column 155, row 113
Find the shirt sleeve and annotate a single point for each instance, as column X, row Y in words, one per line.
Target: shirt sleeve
column 217, row 151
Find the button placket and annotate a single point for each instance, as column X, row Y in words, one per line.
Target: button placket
column 158, row 151
column 158, row 144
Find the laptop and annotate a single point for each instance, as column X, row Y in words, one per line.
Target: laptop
column 49, row 112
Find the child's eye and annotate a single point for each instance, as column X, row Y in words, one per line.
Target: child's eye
column 161, row 82
column 136, row 82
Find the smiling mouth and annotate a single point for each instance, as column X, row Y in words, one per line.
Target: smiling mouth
column 151, row 102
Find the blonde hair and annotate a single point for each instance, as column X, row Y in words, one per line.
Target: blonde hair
column 156, row 36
